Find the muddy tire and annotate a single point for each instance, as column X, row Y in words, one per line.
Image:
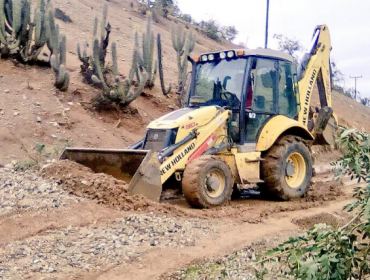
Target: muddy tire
column 286, row 169
column 207, row 182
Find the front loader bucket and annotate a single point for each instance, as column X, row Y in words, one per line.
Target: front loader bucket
column 138, row 168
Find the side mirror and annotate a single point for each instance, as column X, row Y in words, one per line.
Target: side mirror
column 226, row 79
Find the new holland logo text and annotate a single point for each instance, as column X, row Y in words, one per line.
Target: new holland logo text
column 177, row 159
column 308, row 97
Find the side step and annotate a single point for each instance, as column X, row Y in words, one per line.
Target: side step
column 248, row 165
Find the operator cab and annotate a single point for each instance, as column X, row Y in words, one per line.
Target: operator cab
column 255, row 85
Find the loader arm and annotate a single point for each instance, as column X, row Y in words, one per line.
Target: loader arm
column 179, row 159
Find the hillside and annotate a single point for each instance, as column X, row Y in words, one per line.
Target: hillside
column 33, row 112
column 63, row 221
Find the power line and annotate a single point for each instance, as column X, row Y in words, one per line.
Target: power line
column 355, row 77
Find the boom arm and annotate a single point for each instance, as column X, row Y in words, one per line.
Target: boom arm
column 315, row 66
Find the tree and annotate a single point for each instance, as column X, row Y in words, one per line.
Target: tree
column 337, row 75
column 290, row 46
column 365, row 101
column 243, row 45
column 187, row 18
column 212, row 29
column 229, row 32
column 350, row 92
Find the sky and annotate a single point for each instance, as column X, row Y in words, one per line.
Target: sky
column 348, row 22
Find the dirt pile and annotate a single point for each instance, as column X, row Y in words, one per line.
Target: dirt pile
column 323, row 218
column 102, row 188
column 326, row 191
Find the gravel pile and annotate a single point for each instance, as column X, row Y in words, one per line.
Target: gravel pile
column 81, row 249
column 26, row 190
column 238, row 266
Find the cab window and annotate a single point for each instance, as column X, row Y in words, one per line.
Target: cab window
column 264, row 87
column 287, row 96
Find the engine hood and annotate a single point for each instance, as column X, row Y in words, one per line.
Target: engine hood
column 186, row 118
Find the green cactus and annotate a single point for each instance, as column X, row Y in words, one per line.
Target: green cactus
column 58, row 49
column 3, row 33
column 96, row 72
column 24, row 38
column 19, row 34
column 58, row 62
column 39, row 24
column 160, row 66
column 146, row 58
column 93, row 67
column 120, row 92
column 183, row 44
column 17, row 7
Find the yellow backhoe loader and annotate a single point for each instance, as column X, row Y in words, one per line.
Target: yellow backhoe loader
column 246, row 120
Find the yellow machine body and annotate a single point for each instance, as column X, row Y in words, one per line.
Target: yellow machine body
column 200, row 130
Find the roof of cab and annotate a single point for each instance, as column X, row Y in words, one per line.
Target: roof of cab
column 261, row 52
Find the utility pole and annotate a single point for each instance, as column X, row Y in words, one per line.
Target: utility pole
column 267, row 23
column 356, row 77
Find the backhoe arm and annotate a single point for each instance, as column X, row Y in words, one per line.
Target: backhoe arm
column 315, row 66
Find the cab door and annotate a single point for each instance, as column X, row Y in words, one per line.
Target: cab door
column 262, row 96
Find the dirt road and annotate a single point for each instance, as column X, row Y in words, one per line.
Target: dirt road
column 47, row 232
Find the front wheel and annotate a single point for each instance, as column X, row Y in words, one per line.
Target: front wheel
column 208, row 182
column 287, row 169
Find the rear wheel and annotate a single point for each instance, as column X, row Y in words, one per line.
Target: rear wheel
column 287, row 169
column 207, row 182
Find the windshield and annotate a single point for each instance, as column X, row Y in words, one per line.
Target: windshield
column 220, row 82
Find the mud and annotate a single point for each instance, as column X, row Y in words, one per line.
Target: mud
column 324, row 191
column 104, row 189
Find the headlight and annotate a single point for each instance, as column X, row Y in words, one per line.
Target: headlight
column 204, row 58
column 222, row 55
column 211, row 57
column 230, row 54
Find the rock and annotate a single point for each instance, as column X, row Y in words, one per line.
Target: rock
column 6, row 91
column 38, row 119
column 16, row 113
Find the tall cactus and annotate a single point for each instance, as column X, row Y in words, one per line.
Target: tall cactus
column 12, row 23
column 93, row 67
column 58, row 46
column 33, row 40
column 24, row 37
column 19, row 34
column 3, row 32
column 96, row 72
column 147, row 54
column 183, row 44
column 122, row 93
column 160, row 66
